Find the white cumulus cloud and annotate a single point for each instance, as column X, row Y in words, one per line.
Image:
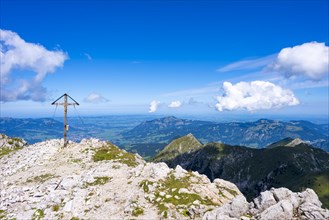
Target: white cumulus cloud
column 154, row 106
column 175, row 104
column 309, row 59
column 95, row 98
column 17, row 54
column 255, row 95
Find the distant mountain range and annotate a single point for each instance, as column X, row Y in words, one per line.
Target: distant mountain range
column 36, row 129
column 40, row 129
column 288, row 163
column 256, row 134
column 147, row 137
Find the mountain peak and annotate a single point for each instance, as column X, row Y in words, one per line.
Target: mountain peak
column 295, row 142
column 182, row 145
column 171, row 117
column 168, row 120
column 190, row 135
column 264, row 121
column 287, row 142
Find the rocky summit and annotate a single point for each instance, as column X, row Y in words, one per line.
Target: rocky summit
column 97, row 180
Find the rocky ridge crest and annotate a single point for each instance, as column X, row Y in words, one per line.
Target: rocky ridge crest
column 95, row 179
column 11, row 143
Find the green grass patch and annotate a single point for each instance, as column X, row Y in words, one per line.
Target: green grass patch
column 166, row 192
column 38, row 214
column 99, row 181
column 15, row 142
column 184, row 198
column 248, row 215
column 75, row 160
column 165, row 214
column 145, row 185
column 55, row 208
column 5, row 150
column 319, row 182
column 138, row 211
column 321, row 187
column 232, row 192
column 112, row 152
column 185, row 213
column 162, row 208
column 42, row 178
column 116, row 167
column 3, row 214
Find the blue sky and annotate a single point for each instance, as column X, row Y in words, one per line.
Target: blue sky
column 117, row 57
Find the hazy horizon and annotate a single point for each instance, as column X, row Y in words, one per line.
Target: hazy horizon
column 203, row 117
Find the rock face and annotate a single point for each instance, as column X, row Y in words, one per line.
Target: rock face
column 281, row 203
column 96, row 180
column 278, row 203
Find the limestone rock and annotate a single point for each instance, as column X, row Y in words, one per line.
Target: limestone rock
column 179, row 172
column 264, row 201
column 155, row 171
column 68, row 206
column 282, row 203
column 311, row 211
column 46, row 179
column 233, row 210
column 285, row 194
column 11, row 143
column 281, row 210
column 309, row 196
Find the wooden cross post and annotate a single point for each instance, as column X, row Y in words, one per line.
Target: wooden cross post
column 65, row 104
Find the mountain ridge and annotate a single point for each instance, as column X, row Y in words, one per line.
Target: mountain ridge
column 287, row 142
column 147, row 137
column 256, row 170
column 256, row 134
column 95, row 179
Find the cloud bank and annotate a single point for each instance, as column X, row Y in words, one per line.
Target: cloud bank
column 255, row 95
column 154, row 106
column 95, row 98
column 175, row 104
column 309, row 59
column 17, row 54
